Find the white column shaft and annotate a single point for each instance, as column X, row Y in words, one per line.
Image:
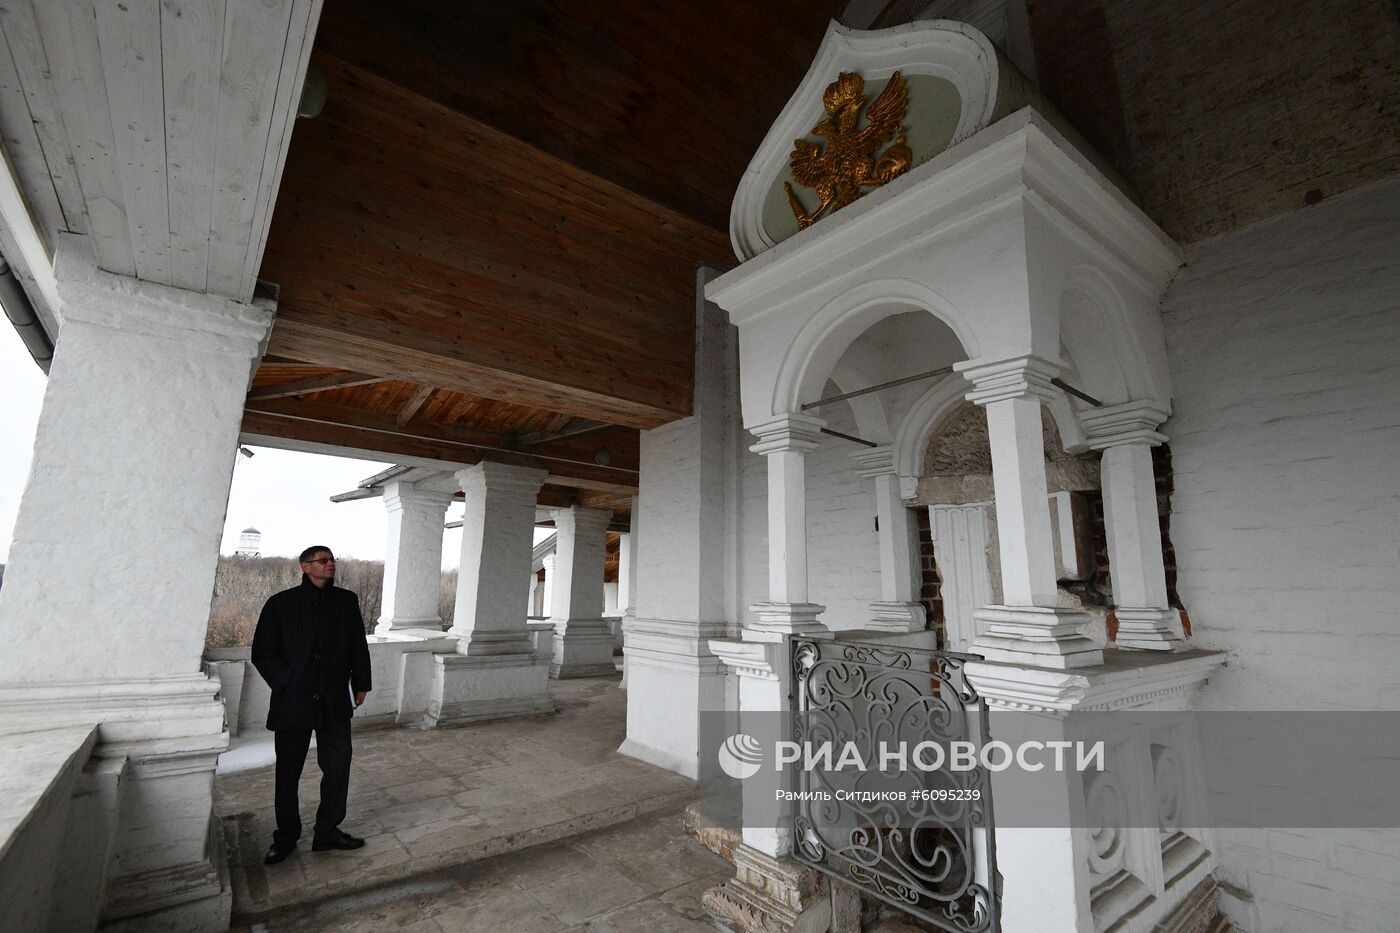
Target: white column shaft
column 120, row 521
column 412, row 557
column 579, row 558
column 626, row 558
column 897, row 542
column 1134, row 529
column 1023, row 512
column 787, row 527
column 497, row 543
column 547, row 604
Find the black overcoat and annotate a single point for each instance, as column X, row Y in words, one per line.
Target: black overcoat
column 310, row 648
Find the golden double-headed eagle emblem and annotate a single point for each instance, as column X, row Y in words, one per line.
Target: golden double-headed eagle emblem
column 849, row 165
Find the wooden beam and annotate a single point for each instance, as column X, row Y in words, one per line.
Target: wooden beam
column 337, row 424
column 313, row 384
column 414, row 403
column 396, row 349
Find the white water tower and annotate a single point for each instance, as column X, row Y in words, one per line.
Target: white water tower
column 249, row 543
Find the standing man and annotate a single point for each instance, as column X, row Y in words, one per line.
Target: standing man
column 310, row 648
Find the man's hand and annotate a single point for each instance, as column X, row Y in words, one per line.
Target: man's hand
column 360, row 698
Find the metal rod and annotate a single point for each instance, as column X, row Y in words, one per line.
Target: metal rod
column 494, row 448
column 1057, row 381
column 572, row 432
column 849, row 437
column 942, row 371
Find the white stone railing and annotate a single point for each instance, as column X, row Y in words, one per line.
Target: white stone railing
column 39, row 773
column 401, row 667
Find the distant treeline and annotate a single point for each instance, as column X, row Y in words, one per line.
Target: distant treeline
column 243, row 584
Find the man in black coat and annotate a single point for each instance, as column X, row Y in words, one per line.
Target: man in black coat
column 310, row 648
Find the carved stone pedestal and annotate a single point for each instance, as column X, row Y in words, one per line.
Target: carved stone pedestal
column 769, row 895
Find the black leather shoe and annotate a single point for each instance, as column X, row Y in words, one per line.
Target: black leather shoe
column 336, row 840
column 279, row 852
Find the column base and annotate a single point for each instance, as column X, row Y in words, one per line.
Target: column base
column 429, row 623
column 769, row 895
column 786, row 619
column 194, row 898
column 898, row 617
column 582, row 648
column 476, row 689
column 1150, row 629
column 676, row 695
column 1036, row 636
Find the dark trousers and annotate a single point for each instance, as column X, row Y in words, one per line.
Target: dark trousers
column 333, row 757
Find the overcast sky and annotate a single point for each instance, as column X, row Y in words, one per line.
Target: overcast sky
column 284, row 495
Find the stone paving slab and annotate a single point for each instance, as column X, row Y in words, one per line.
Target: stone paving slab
column 643, row 876
column 434, row 798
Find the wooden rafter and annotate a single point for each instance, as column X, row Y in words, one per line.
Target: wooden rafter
column 323, row 423
column 312, row 384
column 415, row 403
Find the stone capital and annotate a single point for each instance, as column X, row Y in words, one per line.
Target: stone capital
column 874, row 461
column 1017, row 377
column 89, row 295
column 490, row 476
column 586, row 521
column 790, row 431
column 1128, row 423
column 399, row 497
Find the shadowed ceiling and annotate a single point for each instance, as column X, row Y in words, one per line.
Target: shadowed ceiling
column 486, row 243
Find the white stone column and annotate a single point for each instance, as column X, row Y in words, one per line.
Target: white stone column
column 626, row 586
column 678, row 602
column 412, row 558
column 494, row 672
column 1126, row 434
column 106, row 599
column 784, row 441
column 548, row 562
column 582, row 639
column 534, row 594
column 899, row 609
column 1029, row 627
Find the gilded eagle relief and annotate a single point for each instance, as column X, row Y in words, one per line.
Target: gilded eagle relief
column 849, row 163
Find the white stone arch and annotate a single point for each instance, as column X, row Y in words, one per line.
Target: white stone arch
column 872, row 419
column 816, row 348
column 1102, row 340
column 920, row 421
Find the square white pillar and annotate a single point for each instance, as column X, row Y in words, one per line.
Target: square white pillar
column 582, row 639
column 547, row 601
column 1126, row 434
column 1029, row 628
column 784, row 442
column 677, row 580
column 412, row 558
column 495, row 672
column 106, row 598
column 899, row 609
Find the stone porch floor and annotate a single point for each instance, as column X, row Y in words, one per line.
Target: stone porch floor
column 428, row 800
column 642, row 876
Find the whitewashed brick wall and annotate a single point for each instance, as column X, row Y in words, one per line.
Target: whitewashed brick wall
column 843, row 557
column 1285, row 352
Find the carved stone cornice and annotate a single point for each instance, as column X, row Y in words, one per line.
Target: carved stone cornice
column 1128, row 423
column 1017, row 377
column 1126, row 680
column 791, row 431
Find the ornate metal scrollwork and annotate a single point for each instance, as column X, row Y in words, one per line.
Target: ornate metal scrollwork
column 921, row 840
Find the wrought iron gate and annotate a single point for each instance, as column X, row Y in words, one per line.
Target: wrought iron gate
column 921, row 840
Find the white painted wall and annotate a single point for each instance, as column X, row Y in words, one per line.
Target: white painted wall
column 1284, row 342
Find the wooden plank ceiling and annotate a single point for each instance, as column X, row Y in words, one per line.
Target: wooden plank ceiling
column 486, row 243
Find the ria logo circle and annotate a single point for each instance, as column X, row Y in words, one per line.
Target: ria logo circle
column 740, row 756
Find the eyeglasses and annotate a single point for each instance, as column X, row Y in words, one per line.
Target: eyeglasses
column 322, row 560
